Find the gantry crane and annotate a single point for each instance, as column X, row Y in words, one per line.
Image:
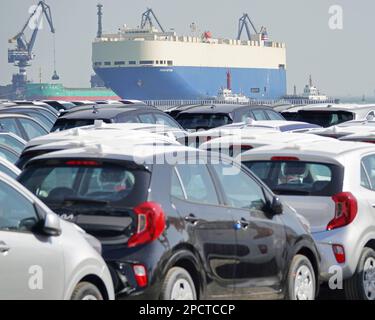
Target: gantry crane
column 147, row 19
column 22, row 54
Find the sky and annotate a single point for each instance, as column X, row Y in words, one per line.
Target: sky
column 341, row 61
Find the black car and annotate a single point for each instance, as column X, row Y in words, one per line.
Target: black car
column 129, row 114
column 183, row 229
column 212, row 116
column 175, row 111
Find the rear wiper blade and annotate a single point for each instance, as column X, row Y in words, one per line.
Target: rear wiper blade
column 84, row 200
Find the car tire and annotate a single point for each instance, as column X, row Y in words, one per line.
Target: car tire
column 301, row 282
column 354, row 287
column 86, row 291
column 178, row 285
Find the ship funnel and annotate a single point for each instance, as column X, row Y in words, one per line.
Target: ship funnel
column 229, row 80
column 100, row 22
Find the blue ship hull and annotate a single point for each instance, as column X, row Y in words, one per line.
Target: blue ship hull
column 175, row 83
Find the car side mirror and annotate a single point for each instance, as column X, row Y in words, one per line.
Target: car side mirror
column 276, row 206
column 49, row 223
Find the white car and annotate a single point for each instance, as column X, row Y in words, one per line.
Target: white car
column 333, row 186
column 43, row 256
column 327, row 115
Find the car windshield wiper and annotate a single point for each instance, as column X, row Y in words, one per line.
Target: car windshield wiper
column 292, row 192
column 76, row 200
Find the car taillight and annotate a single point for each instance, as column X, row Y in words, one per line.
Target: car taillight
column 339, row 253
column 150, row 223
column 140, row 275
column 346, row 209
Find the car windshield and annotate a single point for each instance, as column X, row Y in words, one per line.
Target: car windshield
column 198, row 121
column 324, row 118
column 7, row 154
column 298, row 177
column 65, row 124
column 77, row 183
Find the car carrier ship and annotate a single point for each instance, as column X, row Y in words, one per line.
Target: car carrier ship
column 149, row 63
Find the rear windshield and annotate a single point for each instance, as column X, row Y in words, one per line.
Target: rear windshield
column 299, row 177
column 65, row 124
column 203, row 120
column 87, row 184
column 324, row 118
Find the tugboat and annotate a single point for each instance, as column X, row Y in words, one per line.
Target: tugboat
column 226, row 94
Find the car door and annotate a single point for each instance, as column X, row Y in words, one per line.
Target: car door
column 261, row 238
column 209, row 227
column 31, row 265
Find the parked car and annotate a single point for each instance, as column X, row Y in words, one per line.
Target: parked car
column 13, row 141
column 333, row 186
column 43, row 116
column 21, row 125
column 327, row 115
column 248, row 128
column 43, row 256
column 346, row 128
column 212, row 116
column 8, row 168
column 368, row 137
column 59, row 105
column 179, row 230
column 33, row 103
column 175, row 111
column 114, row 115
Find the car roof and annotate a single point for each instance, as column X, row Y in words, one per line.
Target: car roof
column 16, row 115
column 101, row 113
column 331, row 107
column 220, row 108
column 130, row 152
column 332, row 151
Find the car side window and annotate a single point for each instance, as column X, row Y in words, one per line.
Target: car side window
column 247, row 114
column 16, row 212
column 368, row 172
column 164, row 120
column 146, row 118
column 33, row 130
column 273, row 115
column 176, row 188
column 197, row 183
column 259, row 115
column 9, row 125
column 7, row 171
column 240, row 189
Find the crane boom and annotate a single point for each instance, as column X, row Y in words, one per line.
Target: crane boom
column 147, row 19
column 244, row 22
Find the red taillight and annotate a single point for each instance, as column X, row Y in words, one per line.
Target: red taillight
column 284, row 159
column 150, row 223
column 84, row 163
column 140, row 275
column 339, row 253
column 345, row 211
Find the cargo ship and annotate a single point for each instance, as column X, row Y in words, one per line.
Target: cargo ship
column 149, row 63
column 48, row 91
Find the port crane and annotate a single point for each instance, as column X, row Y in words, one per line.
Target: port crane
column 147, row 19
column 244, row 22
column 22, row 54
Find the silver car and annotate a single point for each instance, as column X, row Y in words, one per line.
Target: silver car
column 332, row 184
column 42, row 256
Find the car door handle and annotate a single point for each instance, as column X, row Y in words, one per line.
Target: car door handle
column 191, row 218
column 3, row 247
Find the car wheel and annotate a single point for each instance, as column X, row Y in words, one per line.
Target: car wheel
column 86, row 291
column 301, row 282
column 178, row 285
column 362, row 285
